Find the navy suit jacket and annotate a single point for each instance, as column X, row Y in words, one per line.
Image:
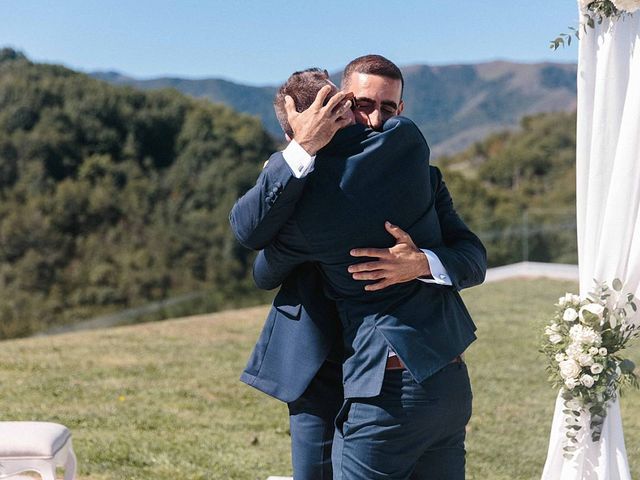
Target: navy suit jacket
column 361, row 179
column 302, row 329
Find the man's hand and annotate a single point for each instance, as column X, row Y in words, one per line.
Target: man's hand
column 401, row 263
column 316, row 126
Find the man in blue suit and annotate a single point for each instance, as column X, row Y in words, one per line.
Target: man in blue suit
column 305, row 342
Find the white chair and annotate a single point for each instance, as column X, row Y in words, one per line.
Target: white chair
column 36, row 447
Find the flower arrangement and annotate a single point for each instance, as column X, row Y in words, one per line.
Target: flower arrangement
column 582, row 344
column 596, row 10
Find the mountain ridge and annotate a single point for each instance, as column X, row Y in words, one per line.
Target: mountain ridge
column 454, row 105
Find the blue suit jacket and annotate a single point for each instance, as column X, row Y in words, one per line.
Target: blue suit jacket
column 302, row 325
column 302, row 328
column 360, row 180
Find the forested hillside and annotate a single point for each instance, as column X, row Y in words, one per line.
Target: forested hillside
column 518, row 189
column 111, row 197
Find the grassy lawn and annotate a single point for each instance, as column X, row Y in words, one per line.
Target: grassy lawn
column 163, row 400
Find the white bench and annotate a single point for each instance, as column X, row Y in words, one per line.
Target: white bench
column 36, row 447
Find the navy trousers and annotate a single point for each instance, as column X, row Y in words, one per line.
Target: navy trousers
column 312, row 419
column 410, row 431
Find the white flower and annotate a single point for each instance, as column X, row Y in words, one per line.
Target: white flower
column 603, row 351
column 587, row 381
column 569, row 298
column 560, row 357
column 626, row 5
column 574, row 350
column 571, row 383
column 555, row 338
column 569, row 369
column 570, row 315
column 593, row 351
column 551, row 329
column 585, row 360
column 585, row 335
column 594, row 308
column 596, row 368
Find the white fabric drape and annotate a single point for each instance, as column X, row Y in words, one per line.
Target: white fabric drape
column 608, row 213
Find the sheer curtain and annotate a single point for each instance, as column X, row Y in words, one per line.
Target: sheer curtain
column 608, row 211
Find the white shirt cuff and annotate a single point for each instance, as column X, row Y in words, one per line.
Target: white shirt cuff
column 299, row 161
column 439, row 273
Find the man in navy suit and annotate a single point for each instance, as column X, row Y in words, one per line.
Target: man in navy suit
column 293, row 313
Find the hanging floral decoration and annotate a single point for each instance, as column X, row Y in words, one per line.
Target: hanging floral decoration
column 596, row 11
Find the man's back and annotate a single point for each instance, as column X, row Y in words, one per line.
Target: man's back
column 356, row 187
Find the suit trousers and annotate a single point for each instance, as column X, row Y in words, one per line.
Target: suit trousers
column 410, row 431
column 311, row 422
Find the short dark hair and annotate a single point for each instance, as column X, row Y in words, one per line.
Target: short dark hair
column 372, row 65
column 302, row 86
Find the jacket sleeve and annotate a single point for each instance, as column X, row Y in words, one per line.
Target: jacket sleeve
column 462, row 254
column 260, row 213
column 273, row 264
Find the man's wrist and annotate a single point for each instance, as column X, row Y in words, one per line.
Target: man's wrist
column 422, row 260
column 309, row 146
column 437, row 273
column 299, row 161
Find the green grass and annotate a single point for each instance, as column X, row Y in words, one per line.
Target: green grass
column 163, row 400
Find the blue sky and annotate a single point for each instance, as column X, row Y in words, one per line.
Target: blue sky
column 262, row 42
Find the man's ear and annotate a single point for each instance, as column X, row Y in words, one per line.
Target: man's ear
column 400, row 107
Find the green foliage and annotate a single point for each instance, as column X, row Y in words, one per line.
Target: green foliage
column 517, row 190
column 111, row 197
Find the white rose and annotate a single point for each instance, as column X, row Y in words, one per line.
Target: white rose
column 587, row 381
column 570, row 315
column 555, row 338
column 569, row 369
column 571, row 383
column 626, row 5
column 560, row 357
column 585, row 360
column 576, row 299
column 594, row 308
column 602, row 351
column 593, row 351
column 596, row 368
column 561, row 301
